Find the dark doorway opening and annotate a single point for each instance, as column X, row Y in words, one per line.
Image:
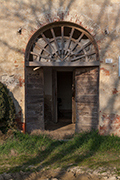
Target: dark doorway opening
column 64, row 96
column 61, row 105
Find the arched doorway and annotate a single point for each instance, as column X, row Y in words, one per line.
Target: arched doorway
column 58, row 50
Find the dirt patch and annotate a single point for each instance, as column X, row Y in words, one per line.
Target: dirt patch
column 58, row 131
column 62, row 175
column 54, row 174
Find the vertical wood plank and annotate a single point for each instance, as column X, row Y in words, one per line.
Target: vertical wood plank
column 73, row 99
column 54, row 97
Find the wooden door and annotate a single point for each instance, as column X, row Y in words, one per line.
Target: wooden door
column 34, row 99
column 86, row 98
column 54, row 97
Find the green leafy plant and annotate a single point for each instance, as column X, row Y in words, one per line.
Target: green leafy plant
column 7, row 109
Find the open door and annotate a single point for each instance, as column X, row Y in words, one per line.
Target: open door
column 86, row 98
column 34, row 99
column 54, row 97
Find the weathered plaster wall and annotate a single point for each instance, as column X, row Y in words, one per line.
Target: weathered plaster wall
column 101, row 18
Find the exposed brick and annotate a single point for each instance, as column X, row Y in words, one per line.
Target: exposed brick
column 111, row 123
column 114, row 91
column 106, row 72
column 21, row 81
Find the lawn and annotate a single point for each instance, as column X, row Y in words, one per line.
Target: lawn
column 33, row 152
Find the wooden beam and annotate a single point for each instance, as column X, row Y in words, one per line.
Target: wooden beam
column 53, row 34
column 74, row 47
column 62, row 64
column 82, row 56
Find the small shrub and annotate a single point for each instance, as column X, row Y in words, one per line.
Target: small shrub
column 7, row 109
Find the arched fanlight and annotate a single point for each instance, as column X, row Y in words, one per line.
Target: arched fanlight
column 62, row 42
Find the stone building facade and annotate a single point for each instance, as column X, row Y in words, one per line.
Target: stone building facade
column 31, row 82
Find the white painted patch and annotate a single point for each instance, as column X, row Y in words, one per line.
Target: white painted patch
column 10, row 81
column 108, row 61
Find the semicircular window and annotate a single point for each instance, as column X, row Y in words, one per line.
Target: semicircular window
column 62, row 42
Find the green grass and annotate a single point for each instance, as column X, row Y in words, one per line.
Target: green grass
column 85, row 149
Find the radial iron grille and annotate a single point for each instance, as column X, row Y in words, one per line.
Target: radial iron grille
column 62, row 42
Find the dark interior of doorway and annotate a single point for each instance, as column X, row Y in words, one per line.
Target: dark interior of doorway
column 64, row 96
column 64, row 101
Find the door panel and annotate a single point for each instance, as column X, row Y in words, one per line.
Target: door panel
column 86, row 98
column 34, row 99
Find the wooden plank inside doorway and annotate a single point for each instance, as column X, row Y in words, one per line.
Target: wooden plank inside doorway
column 73, row 99
column 54, row 97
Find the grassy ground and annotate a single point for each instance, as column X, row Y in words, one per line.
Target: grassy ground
column 33, row 152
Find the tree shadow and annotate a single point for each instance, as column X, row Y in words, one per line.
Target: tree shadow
column 83, row 139
column 19, row 114
column 60, row 151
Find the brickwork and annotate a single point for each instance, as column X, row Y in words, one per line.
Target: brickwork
column 101, row 18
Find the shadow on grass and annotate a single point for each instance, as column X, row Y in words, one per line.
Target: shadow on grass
column 75, row 151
